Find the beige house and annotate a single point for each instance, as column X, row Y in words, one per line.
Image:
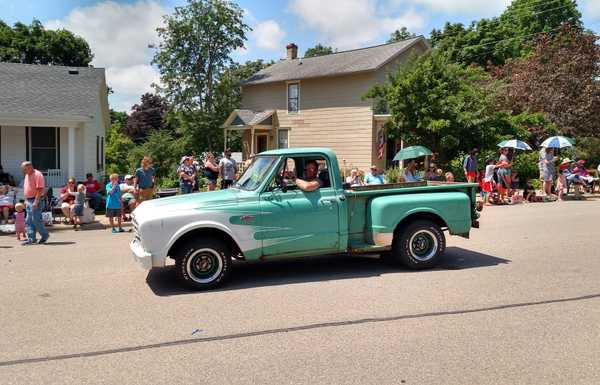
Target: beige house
column 307, row 102
column 54, row 116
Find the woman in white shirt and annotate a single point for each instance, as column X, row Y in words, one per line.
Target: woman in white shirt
column 354, row 178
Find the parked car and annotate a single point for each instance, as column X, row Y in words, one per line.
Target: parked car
column 266, row 216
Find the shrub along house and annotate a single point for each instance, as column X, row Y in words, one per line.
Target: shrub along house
column 318, row 101
column 54, row 116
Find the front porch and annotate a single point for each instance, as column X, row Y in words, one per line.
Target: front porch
column 54, row 147
column 258, row 131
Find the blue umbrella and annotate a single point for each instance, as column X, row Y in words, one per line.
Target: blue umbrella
column 558, row 142
column 514, row 143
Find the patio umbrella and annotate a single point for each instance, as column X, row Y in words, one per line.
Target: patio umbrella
column 514, row 143
column 412, row 152
column 558, row 142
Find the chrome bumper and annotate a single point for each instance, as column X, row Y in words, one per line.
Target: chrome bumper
column 140, row 255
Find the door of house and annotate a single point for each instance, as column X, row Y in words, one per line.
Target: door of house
column 262, row 143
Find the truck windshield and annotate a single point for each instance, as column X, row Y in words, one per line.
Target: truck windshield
column 256, row 173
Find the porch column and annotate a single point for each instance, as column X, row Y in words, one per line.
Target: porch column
column 225, row 140
column 71, row 152
column 252, row 140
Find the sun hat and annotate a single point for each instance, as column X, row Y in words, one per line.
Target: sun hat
column 566, row 161
column 128, row 176
column 581, row 161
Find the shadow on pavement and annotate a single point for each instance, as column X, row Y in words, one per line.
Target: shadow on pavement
column 62, row 243
column 313, row 269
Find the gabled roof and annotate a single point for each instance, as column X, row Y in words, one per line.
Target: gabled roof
column 338, row 63
column 241, row 117
column 50, row 91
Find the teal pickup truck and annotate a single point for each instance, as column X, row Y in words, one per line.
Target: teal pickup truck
column 266, row 215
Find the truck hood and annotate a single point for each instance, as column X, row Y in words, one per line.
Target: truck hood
column 206, row 201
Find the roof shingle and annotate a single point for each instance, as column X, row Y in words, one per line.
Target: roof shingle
column 49, row 91
column 339, row 63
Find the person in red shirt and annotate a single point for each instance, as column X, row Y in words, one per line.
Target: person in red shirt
column 92, row 188
column 34, row 189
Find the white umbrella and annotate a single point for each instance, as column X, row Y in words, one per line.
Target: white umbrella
column 558, row 142
column 514, row 143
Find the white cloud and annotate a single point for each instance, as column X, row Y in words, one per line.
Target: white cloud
column 269, row 35
column 480, row 8
column 352, row 23
column 591, row 9
column 136, row 79
column 119, row 35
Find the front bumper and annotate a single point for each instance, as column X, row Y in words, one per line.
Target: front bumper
column 140, row 255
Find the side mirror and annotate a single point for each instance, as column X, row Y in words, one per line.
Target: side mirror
column 281, row 184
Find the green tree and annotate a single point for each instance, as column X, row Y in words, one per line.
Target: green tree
column 443, row 106
column 118, row 145
column 196, row 46
column 494, row 41
column 400, row 34
column 165, row 149
column 318, row 50
column 33, row 44
column 203, row 131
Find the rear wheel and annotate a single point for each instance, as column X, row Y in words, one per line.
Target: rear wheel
column 203, row 263
column 420, row 245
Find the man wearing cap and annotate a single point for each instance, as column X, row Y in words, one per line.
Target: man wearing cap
column 128, row 193
column 92, row 191
column 374, row 177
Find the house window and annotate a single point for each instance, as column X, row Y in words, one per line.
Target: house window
column 44, row 147
column 283, row 136
column 293, row 96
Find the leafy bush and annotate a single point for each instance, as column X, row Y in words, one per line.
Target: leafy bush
column 526, row 165
column 168, row 181
column 393, row 174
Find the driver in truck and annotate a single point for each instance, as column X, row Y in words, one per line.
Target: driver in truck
column 310, row 182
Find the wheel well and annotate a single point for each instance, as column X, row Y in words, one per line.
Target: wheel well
column 420, row 216
column 205, row 232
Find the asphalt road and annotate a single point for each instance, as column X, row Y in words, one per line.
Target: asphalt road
column 518, row 303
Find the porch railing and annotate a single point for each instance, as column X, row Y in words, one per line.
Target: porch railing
column 54, row 178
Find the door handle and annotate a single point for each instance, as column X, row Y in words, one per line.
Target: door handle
column 328, row 201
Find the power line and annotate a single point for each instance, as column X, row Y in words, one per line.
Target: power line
column 466, row 30
column 511, row 38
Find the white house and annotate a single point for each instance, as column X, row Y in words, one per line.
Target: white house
column 54, row 116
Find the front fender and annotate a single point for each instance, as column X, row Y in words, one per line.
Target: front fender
column 204, row 224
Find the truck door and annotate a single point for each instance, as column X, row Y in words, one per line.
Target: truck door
column 299, row 222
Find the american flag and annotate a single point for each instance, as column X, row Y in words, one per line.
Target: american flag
column 380, row 144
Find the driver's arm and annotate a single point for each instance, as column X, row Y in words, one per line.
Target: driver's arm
column 307, row 186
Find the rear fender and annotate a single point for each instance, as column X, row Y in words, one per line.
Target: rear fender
column 386, row 213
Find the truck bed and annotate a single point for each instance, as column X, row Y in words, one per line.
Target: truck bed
column 359, row 197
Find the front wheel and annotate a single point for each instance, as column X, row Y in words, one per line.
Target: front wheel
column 420, row 245
column 203, row 263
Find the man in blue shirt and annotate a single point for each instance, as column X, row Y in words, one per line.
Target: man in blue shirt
column 375, row 177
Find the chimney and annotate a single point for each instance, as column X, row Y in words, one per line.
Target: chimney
column 292, row 51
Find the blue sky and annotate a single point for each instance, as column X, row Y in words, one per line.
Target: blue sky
column 119, row 31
